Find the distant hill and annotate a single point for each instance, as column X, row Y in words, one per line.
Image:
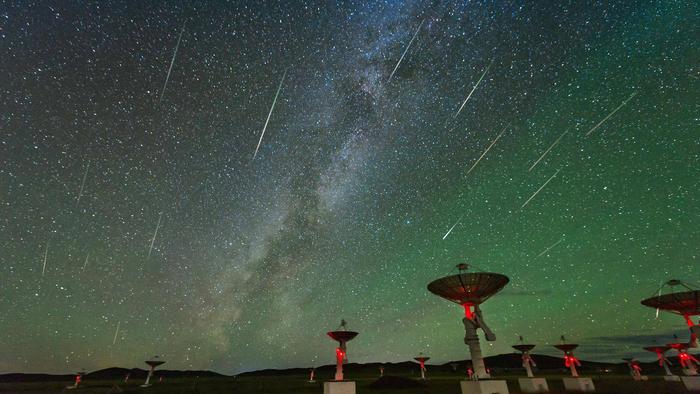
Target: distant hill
column 500, row 363
column 104, row 374
column 34, row 377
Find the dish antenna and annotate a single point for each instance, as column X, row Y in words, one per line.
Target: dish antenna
column 682, row 299
column 524, row 350
column 342, row 336
column 660, row 351
column 570, row 361
column 422, row 359
column 78, row 379
column 635, row 368
column 153, row 363
column 470, row 290
column 531, row 384
column 575, row 382
column 688, row 362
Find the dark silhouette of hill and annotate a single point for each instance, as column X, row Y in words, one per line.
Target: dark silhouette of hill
column 105, row 374
column 34, row 377
column 501, row 363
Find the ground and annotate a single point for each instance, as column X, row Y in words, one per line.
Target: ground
column 439, row 384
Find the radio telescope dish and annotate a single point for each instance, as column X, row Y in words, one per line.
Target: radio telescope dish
column 683, row 299
column 421, row 360
column 471, row 289
column 688, row 362
column 685, row 302
column 570, row 361
column 566, row 347
column 153, row 363
column 342, row 336
column 523, row 348
column 528, row 362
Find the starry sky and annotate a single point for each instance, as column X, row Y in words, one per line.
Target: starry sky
column 135, row 219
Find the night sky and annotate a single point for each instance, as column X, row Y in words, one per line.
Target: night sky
column 135, row 219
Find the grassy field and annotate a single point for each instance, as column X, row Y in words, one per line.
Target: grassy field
column 446, row 384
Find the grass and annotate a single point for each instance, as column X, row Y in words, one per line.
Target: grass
column 438, row 384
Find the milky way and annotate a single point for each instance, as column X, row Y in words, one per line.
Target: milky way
column 131, row 226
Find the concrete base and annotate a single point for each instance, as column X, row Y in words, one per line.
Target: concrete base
column 692, row 383
column 339, row 387
column 533, row 385
column 484, row 387
column 672, row 378
column 643, row 378
column 145, row 385
column 579, row 384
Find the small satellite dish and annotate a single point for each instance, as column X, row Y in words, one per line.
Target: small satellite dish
column 342, row 336
column 570, row 361
column 660, row 351
column 688, row 362
column 153, row 363
column 528, row 362
column 421, row 360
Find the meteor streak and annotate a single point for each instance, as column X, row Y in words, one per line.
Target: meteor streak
column 46, row 255
column 269, row 114
column 489, row 148
column 538, row 190
column 405, row 51
column 153, row 240
column 453, row 227
column 116, row 333
column 473, row 89
column 172, row 61
column 549, row 248
column 548, row 149
column 82, row 184
column 611, row 113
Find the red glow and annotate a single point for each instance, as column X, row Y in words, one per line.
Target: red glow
column 661, row 357
column 339, row 353
column 570, row 360
column 688, row 321
column 686, row 359
column 468, row 313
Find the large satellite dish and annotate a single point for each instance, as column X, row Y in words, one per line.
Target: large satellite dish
column 471, row 289
column 682, row 299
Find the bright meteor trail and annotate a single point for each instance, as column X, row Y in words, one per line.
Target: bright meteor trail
column 473, row 89
column 82, row 184
column 172, row 61
column 611, row 113
column 453, row 227
column 548, row 149
column 155, row 233
column 538, row 190
column 488, row 149
column 272, row 107
column 550, row 247
column 406, row 50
